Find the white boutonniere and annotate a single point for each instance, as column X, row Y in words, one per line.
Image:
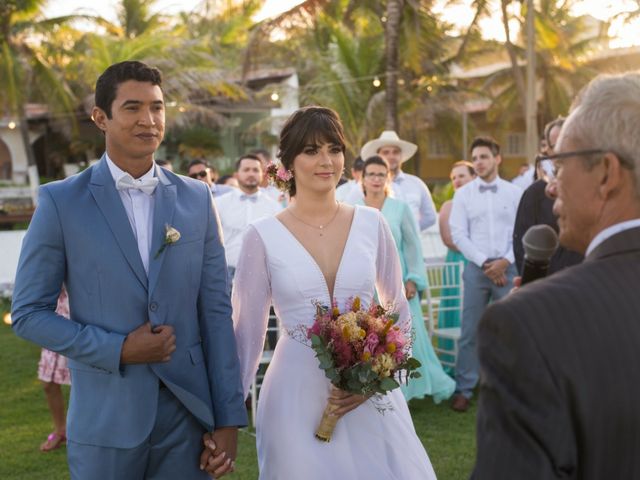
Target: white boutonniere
column 171, row 236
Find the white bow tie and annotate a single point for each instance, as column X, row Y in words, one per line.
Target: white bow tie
column 148, row 185
column 252, row 198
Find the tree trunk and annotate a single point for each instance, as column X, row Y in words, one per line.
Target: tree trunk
column 392, row 32
column 32, row 167
column 517, row 73
column 531, row 103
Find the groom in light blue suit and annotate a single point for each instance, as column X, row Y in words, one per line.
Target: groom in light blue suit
column 150, row 341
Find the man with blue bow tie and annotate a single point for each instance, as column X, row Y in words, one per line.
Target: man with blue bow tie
column 243, row 206
column 482, row 218
column 150, row 341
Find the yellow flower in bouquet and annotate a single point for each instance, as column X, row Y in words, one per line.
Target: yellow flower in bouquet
column 383, row 365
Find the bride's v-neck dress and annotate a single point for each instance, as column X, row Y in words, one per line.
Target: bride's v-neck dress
column 275, row 268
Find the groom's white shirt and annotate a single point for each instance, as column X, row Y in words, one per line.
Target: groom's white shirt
column 139, row 207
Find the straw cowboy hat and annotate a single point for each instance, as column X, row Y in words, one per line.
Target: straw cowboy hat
column 386, row 138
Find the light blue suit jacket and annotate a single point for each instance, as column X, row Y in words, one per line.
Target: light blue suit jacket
column 80, row 235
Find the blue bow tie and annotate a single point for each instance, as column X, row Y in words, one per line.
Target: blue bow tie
column 491, row 188
column 148, row 185
column 251, row 198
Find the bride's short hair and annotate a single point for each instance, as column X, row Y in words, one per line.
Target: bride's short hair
column 308, row 125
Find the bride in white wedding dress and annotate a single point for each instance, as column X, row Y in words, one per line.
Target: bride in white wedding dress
column 316, row 250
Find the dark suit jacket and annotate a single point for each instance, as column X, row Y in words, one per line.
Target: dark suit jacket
column 559, row 385
column 536, row 208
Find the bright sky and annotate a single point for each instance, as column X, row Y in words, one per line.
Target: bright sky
column 458, row 14
column 627, row 34
column 107, row 8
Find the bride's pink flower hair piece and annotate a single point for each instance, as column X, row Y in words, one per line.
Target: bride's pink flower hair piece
column 279, row 176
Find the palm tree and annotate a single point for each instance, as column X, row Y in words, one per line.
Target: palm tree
column 562, row 42
column 392, row 29
column 27, row 74
column 351, row 61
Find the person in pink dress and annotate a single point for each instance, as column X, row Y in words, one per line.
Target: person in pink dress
column 53, row 372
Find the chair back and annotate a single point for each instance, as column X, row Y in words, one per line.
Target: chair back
column 444, row 290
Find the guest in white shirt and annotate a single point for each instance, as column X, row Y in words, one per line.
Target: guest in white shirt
column 242, row 206
column 354, row 185
column 271, row 190
column 408, row 188
column 481, row 221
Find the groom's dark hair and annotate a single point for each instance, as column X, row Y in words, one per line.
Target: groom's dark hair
column 107, row 84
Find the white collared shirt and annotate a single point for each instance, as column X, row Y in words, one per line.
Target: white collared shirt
column 610, row 232
column 237, row 211
column 344, row 191
column 413, row 191
column 139, row 207
column 482, row 223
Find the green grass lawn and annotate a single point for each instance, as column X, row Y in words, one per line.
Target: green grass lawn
column 24, row 424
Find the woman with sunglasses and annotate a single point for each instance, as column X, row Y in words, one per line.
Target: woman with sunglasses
column 375, row 184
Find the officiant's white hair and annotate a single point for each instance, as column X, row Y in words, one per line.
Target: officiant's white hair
column 606, row 115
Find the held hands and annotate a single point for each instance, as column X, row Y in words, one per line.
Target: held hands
column 144, row 345
column 219, row 454
column 343, row 402
column 495, row 270
column 410, row 289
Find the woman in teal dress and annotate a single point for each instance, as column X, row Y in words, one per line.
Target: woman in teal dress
column 449, row 315
column 434, row 381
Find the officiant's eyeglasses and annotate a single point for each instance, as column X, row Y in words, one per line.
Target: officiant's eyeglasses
column 575, row 153
column 546, row 161
column 200, row 174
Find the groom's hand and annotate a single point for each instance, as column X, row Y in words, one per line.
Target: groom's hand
column 218, row 457
column 144, row 345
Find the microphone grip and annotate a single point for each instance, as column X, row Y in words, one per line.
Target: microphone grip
column 534, row 270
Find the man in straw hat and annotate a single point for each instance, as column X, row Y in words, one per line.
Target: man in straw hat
column 408, row 188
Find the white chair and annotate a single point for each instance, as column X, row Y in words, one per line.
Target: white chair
column 442, row 278
column 273, row 329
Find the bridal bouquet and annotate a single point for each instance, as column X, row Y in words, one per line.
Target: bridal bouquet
column 362, row 351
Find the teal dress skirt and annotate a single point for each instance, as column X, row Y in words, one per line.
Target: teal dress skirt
column 434, row 380
column 450, row 313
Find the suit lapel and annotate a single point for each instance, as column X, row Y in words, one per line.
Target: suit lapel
column 104, row 192
column 625, row 241
column 164, row 208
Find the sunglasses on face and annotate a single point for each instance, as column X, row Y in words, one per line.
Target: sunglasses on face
column 200, row 174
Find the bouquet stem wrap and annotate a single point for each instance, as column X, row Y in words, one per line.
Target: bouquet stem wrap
column 327, row 424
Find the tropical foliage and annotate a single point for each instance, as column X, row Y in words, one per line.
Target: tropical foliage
column 382, row 64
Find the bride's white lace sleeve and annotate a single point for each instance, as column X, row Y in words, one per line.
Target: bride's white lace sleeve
column 251, row 300
column 389, row 282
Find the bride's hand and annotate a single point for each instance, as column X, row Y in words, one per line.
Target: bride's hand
column 344, row 402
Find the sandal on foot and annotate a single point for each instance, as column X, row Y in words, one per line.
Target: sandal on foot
column 54, row 440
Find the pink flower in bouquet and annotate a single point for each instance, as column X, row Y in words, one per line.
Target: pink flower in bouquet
column 396, row 337
column 371, row 343
column 315, row 329
column 396, row 341
column 343, row 352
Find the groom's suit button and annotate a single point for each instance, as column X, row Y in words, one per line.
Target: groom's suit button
column 153, row 306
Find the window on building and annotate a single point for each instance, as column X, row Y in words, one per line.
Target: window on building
column 438, row 146
column 515, row 145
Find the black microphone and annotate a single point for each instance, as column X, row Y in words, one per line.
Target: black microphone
column 540, row 242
